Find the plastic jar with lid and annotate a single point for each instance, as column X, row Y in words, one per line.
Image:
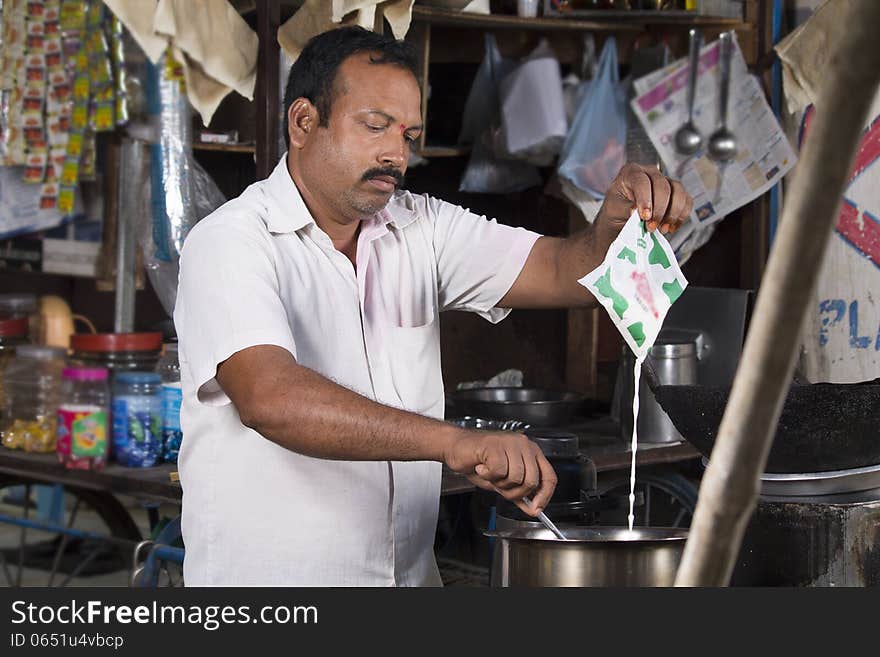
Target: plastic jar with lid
column 32, row 382
column 17, row 305
column 13, row 333
column 172, row 395
column 117, row 352
column 83, row 417
column 137, row 419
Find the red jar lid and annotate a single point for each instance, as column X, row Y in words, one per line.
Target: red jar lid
column 109, row 342
column 13, row 328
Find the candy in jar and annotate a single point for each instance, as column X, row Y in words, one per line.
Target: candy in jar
column 83, row 418
column 137, row 419
column 32, row 381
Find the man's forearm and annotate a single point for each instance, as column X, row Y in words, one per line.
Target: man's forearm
column 579, row 254
column 304, row 412
column 307, row 413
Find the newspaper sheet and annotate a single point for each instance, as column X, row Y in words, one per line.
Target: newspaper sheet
column 764, row 153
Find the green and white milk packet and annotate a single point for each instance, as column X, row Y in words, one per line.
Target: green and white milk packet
column 637, row 283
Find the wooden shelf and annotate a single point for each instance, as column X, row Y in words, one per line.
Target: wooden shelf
column 227, row 148
column 444, row 151
column 587, row 20
column 437, row 16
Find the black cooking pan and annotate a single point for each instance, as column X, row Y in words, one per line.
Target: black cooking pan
column 823, row 427
column 535, row 406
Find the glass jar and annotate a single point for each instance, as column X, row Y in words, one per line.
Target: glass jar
column 117, row 352
column 32, row 382
column 172, row 395
column 13, row 333
column 83, row 414
column 137, row 419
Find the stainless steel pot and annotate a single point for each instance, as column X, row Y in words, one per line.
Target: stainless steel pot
column 594, row 556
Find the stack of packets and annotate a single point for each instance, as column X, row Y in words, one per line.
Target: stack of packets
column 62, row 78
column 637, row 283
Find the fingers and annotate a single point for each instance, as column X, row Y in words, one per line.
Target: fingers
column 661, row 202
column 514, row 467
column 637, row 184
column 678, row 210
column 661, row 191
column 547, row 485
column 516, row 471
column 493, row 466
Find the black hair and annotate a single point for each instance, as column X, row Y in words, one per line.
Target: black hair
column 313, row 74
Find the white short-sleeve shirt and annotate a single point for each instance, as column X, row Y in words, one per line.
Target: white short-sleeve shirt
column 259, row 271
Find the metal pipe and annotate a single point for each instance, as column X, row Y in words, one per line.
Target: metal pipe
column 731, row 485
column 131, row 166
column 58, row 529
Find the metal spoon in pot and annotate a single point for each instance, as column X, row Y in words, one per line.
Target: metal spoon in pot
column 687, row 138
column 546, row 521
column 722, row 143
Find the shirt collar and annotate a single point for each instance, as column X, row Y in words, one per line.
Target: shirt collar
column 291, row 214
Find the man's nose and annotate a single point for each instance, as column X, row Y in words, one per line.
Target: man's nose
column 395, row 154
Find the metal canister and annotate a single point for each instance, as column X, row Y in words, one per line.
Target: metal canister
column 674, row 359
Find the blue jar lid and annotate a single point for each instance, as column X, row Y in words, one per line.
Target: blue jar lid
column 135, row 378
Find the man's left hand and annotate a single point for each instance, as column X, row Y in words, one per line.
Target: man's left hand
column 662, row 202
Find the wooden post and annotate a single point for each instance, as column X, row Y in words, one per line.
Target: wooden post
column 582, row 344
column 267, row 94
column 731, row 484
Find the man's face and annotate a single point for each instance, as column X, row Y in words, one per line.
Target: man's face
column 358, row 159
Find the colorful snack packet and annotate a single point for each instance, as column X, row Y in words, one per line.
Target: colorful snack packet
column 35, row 167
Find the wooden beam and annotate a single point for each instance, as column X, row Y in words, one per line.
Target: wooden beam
column 582, row 342
column 267, row 93
column 420, row 36
column 730, row 487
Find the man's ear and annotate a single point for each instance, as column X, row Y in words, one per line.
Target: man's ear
column 302, row 119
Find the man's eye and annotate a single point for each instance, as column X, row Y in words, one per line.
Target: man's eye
column 375, row 128
column 410, row 138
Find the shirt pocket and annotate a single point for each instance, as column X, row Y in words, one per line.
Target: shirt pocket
column 415, row 367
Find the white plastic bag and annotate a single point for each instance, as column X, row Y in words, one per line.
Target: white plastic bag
column 486, row 172
column 595, row 147
column 533, row 108
column 482, row 102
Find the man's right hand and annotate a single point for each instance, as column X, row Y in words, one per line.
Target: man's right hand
column 505, row 462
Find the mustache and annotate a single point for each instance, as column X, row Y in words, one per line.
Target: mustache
column 386, row 171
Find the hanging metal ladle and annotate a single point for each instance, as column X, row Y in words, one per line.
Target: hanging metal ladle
column 687, row 138
column 722, row 144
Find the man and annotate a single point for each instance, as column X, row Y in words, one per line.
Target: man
column 307, row 314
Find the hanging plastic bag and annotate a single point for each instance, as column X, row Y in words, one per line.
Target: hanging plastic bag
column 481, row 104
column 533, row 108
column 486, row 172
column 595, row 147
column 180, row 191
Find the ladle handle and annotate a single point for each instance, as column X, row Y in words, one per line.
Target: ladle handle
column 693, row 70
column 725, row 52
column 546, row 521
